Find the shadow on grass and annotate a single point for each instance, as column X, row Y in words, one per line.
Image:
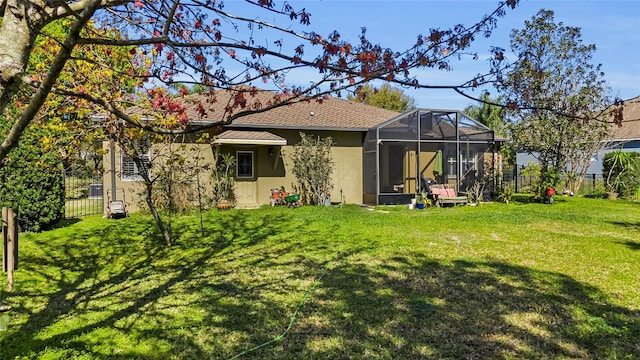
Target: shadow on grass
column 629, row 225
column 530, row 199
column 631, row 245
column 421, row 308
column 523, row 198
column 118, row 293
column 104, row 271
column 632, row 226
column 64, row 223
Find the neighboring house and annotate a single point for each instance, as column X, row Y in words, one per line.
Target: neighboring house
column 379, row 155
column 625, row 137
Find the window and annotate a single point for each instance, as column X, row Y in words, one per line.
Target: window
column 244, row 167
column 471, row 161
column 130, row 170
column 452, row 164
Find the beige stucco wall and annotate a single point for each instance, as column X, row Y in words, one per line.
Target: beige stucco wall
column 196, row 154
column 272, row 169
column 276, row 171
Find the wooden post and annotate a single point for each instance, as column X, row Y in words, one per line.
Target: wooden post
column 5, row 239
column 10, row 243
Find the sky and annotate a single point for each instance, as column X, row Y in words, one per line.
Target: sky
column 612, row 25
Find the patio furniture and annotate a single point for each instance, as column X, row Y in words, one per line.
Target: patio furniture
column 446, row 194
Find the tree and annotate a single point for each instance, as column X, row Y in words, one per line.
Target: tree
column 170, row 169
column 386, row 97
column 557, row 97
column 32, row 175
column 489, row 114
column 312, row 167
column 197, row 43
column 108, row 55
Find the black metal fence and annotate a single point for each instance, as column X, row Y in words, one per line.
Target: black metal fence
column 518, row 182
column 84, row 195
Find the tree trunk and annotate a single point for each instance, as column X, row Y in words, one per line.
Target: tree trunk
column 148, row 185
column 165, row 231
column 16, row 40
column 18, row 27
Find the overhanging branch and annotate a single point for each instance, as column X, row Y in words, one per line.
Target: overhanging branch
column 11, row 140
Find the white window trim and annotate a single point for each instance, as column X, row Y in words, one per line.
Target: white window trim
column 253, row 165
column 135, row 176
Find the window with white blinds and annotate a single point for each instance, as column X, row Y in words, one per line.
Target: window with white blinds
column 130, row 170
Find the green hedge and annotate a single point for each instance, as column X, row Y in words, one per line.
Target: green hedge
column 33, row 179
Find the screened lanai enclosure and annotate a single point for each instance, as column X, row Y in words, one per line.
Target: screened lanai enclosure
column 401, row 155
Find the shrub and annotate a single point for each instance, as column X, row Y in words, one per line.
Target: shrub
column 222, row 177
column 622, row 171
column 505, row 195
column 312, row 167
column 599, row 190
column 33, row 179
column 476, row 191
column 548, row 179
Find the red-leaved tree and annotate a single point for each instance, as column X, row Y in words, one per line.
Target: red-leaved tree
column 199, row 43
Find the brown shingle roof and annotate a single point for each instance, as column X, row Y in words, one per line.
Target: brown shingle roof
column 630, row 129
column 330, row 114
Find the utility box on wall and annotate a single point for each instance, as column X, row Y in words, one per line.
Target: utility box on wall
column 95, row 191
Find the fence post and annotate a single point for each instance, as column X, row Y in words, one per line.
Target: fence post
column 10, row 243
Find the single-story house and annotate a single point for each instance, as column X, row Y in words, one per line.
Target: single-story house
column 380, row 156
column 625, row 137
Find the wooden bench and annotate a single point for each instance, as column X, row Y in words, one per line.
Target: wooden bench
column 446, row 194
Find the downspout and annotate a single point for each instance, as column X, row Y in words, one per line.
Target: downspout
column 378, row 144
column 458, row 155
column 113, row 170
column 418, row 150
column 494, row 170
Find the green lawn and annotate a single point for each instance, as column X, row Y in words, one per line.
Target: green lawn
column 82, row 207
column 518, row 281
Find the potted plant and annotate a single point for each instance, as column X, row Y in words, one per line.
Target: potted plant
column 223, row 181
column 423, row 201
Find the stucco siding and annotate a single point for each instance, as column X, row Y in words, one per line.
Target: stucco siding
column 272, row 169
column 196, row 155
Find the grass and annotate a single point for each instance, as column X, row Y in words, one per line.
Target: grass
column 523, row 280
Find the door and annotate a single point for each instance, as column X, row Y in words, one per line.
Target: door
column 246, row 193
column 246, row 185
